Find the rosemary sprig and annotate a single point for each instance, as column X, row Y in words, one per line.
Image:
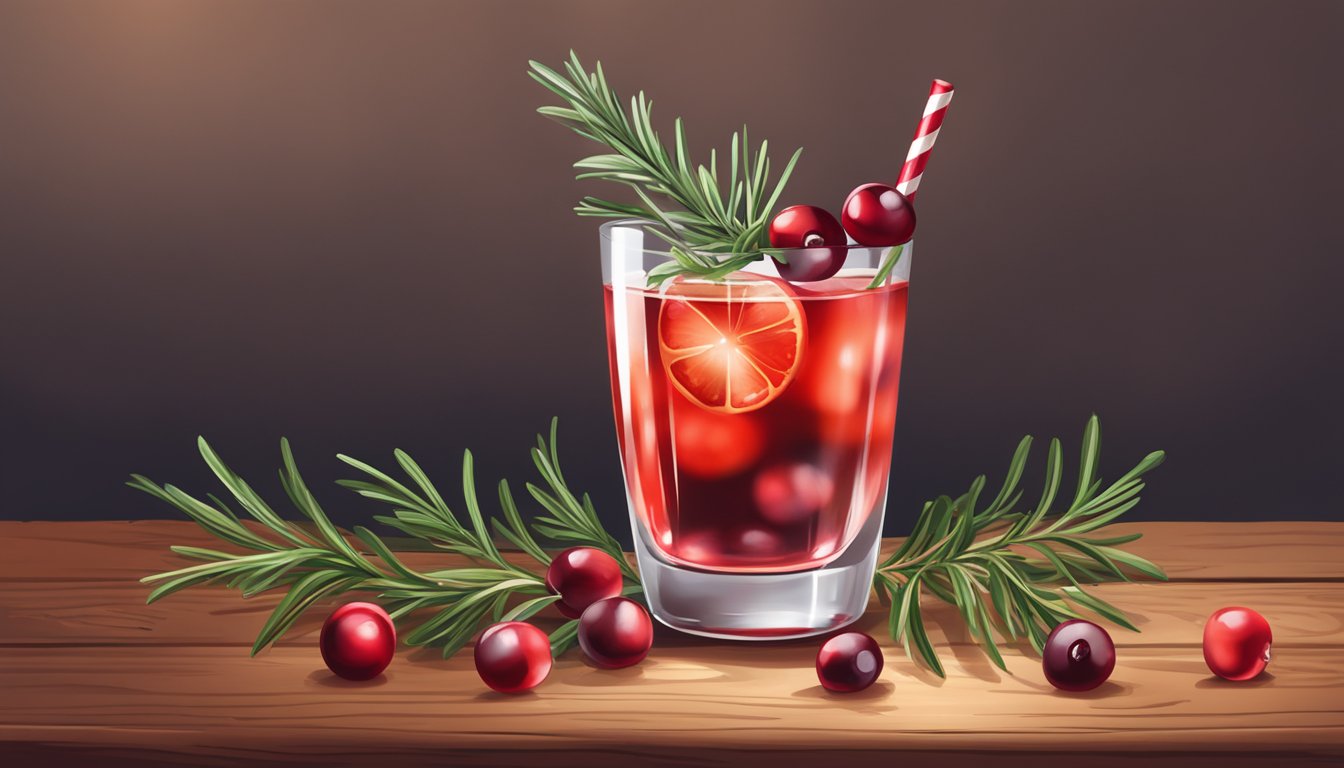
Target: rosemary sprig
column 1011, row 573
column 889, row 262
column 572, row 520
column 1014, row 573
column 312, row 565
column 711, row 220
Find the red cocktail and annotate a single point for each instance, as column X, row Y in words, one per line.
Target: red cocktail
column 755, row 419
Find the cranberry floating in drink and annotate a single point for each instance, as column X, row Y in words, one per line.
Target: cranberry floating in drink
column 718, row 444
column 791, row 492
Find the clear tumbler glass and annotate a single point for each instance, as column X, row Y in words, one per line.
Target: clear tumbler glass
column 755, row 419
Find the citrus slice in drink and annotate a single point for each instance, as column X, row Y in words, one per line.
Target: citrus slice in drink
column 731, row 347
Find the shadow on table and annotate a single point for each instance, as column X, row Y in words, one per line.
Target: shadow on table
column 326, row 679
column 1110, row 689
column 588, row 673
column 1214, row 681
column 866, row 700
column 489, row 695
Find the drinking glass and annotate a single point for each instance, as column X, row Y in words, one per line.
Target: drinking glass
column 755, row 420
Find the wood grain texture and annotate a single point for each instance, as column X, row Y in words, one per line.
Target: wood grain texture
column 92, row 675
column 696, row 698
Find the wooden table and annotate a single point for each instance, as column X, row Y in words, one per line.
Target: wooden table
column 90, row 674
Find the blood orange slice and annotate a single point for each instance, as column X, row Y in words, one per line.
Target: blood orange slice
column 731, row 347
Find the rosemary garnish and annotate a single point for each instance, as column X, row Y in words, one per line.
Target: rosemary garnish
column 709, row 220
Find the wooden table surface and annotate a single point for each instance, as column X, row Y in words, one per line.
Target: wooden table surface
column 91, row 675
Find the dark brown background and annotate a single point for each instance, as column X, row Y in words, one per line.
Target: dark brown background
column 342, row 222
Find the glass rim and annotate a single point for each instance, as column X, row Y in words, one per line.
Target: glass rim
column 605, row 229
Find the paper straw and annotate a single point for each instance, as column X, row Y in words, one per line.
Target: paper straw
column 926, row 133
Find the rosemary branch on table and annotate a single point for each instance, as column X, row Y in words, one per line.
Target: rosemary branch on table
column 323, row 562
column 708, row 219
column 1014, row 573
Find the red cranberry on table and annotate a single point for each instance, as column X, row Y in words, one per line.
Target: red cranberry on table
column 849, row 662
column 513, row 656
column 616, row 632
column 1236, row 643
column 1078, row 656
column 808, row 229
column 878, row 215
column 581, row 576
column 357, row 641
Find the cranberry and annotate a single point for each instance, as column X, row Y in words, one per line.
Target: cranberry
column 715, row 445
column 791, row 493
column 1236, row 643
column 581, row 576
column 616, row 632
column 513, row 656
column 1078, row 656
column 755, row 541
column 694, row 546
column 806, row 228
column 878, row 215
column 357, row 641
column 849, row 662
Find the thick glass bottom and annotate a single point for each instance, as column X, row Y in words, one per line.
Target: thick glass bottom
column 770, row 606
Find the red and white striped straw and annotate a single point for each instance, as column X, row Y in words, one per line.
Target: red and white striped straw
column 926, row 133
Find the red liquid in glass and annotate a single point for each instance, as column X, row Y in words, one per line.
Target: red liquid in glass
column 786, row 485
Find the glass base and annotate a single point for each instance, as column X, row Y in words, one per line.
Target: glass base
column 768, row 606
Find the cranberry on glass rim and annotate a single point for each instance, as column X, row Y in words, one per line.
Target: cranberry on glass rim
column 808, row 230
column 878, row 215
column 513, row 656
column 581, row 576
column 849, row 662
column 616, row 632
column 357, row 641
column 1078, row 656
column 1237, row 643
